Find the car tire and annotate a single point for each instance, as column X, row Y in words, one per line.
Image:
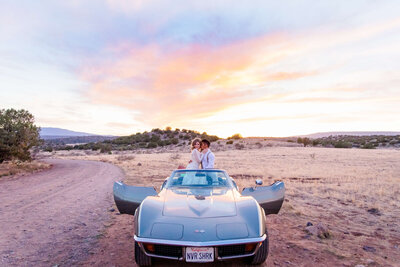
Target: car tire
column 261, row 254
column 140, row 257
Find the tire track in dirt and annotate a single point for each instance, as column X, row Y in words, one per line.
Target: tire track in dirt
column 55, row 216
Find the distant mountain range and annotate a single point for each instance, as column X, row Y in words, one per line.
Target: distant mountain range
column 53, row 133
column 364, row 133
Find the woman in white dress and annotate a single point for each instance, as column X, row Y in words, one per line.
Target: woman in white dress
column 194, row 163
column 196, row 155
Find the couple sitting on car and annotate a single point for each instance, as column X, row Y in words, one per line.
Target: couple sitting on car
column 201, row 155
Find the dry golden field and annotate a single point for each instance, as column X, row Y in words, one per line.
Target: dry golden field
column 14, row 168
column 354, row 192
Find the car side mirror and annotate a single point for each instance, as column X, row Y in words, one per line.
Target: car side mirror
column 234, row 183
column 259, row 182
column 164, row 183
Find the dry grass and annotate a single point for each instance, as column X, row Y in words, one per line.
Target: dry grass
column 334, row 186
column 14, row 167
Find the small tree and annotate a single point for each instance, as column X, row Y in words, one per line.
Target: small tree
column 18, row 134
column 306, row 141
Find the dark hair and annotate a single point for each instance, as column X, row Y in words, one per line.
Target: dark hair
column 205, row 141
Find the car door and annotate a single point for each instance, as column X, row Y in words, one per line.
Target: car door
column 270, row 197
column 128, row 198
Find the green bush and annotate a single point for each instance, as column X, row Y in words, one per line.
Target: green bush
column 48, row 149
column 368, row 146
column 174, row 141
column 167, row 142
column 105, row 148
column 152, row 145
column 230, row 142
column 342, row 144
column 142, row 144
column 18, row 134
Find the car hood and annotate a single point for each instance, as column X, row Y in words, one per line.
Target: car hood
column 199, row 202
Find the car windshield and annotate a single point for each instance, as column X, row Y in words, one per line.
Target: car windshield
column 199, row 178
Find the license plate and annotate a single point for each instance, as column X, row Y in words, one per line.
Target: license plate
column 199, row 254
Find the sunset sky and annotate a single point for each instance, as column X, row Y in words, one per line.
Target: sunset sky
column 259, row 68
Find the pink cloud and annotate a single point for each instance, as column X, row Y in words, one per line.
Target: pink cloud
column 167, row 84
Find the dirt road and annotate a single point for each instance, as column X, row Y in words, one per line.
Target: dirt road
column 54, row 217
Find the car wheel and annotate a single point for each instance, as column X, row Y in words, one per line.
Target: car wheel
column 140, row 257
column 261, row 254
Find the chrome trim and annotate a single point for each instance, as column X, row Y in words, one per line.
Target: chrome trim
column 236, row 256
column 200, row 244
column 164, row 257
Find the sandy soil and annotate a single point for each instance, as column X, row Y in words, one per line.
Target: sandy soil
column 56, row 216
column 336, row 187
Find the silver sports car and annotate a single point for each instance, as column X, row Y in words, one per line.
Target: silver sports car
column 200, row 216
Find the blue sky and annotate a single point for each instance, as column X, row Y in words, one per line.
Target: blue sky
column 269, row 68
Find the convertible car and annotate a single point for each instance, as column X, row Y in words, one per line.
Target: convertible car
column 200, row 216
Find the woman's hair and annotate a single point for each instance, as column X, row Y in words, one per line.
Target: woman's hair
column 194, row 141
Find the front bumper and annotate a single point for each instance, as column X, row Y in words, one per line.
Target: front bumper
column 232, row 245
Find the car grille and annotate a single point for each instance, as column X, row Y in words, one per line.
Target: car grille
column 231, row 250
column 168, row 251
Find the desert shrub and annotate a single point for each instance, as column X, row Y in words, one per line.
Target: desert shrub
column 174, row 141
column 305, row 141
column 368, row 146
column 105, row 148
column 259, row 145
column 230, row 142
column 142, row 144
column 315, row 142
column 161, row 143
column 236, row 136
column 167, row 142
column 155, row 138
column 239, row 146
column 342, row 144
column 290, row 141
column 48, row 149
column 152, row 145
column 157, row 130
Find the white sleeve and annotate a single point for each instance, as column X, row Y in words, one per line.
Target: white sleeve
column 197, row 155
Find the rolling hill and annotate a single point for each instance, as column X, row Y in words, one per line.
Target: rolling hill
column 55, row 133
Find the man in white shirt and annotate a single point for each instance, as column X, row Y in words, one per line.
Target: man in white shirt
column 208, row 159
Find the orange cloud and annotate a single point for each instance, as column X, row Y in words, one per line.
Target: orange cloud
column 166, row 84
